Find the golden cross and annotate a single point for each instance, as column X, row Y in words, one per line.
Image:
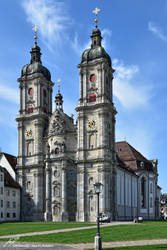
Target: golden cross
column 59, row 80
column 124, row 137
column 96, row 11
column 35, row 29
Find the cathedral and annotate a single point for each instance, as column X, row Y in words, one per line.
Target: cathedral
column 59, row 159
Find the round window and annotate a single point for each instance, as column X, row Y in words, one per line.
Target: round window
column 93, row 78
column 30, row 91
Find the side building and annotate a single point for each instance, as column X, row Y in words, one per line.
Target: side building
column 9, row 197
column 137, row 191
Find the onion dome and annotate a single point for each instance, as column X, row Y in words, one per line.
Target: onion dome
column 96, row 51
column 35, row 65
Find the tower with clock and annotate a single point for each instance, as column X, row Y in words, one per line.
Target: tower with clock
column 35, row 110
column 96, row 130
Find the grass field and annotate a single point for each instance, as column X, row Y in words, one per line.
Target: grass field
column 26, row 227
column 145, row 230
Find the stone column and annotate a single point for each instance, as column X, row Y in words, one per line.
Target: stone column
column 48, row 212
column 64, row 214
column 80, row 195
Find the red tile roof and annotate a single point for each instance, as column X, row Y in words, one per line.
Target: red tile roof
column 131, row 157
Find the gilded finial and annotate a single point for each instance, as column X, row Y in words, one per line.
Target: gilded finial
column 124, row 137
column 35, row 29
column 59, row 80
column 96, row 11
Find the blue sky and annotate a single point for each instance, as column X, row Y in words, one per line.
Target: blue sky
column 134, row 34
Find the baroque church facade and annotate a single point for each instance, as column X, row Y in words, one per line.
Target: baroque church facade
column 59, row 160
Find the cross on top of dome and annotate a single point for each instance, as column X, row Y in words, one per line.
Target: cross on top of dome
column 35, row 29
column 96, row 11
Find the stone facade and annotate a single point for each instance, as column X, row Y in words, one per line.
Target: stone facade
column 59, row 161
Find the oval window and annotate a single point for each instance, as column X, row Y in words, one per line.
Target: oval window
column 30, row 91
column 93, row 78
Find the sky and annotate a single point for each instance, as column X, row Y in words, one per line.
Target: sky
column 134, row 35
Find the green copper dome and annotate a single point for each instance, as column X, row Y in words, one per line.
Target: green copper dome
column 96, row 51
column 35, row 65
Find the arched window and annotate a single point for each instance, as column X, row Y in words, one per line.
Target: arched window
column 151, row 187
column 92, row 141
column 30, row 148
column 56, row 191
column 92, row 97
column 90, row 180
column 143, row 192
column 56, row 211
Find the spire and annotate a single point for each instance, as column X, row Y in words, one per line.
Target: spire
column 35, row 51
column 59, row 98
column 96, row 34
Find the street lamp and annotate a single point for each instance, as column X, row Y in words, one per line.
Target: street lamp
column 98, row 241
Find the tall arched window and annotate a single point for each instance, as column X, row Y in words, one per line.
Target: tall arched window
column 56, row 191
column 93, row 141
column 143, row 192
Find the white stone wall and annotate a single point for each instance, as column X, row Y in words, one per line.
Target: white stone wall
column 11, row 204
column 1, row 194
column 126, row 195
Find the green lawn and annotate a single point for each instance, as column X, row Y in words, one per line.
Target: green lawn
column 146, row 230
column 26, row 227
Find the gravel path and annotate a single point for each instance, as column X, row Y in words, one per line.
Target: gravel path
column 38, row 246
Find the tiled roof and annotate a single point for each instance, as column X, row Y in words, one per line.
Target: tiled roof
column 9, row 181
column 11, row 159
column 131, row 157
column 122, row 165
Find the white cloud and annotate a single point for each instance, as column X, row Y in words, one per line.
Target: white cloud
column 106, row 34
column 9, row 94
column 138, row 136
column 78, row 48
column 127, row 89
column 156, row 30
column 51, row 16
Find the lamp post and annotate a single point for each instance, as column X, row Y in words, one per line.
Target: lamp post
column 98, row 241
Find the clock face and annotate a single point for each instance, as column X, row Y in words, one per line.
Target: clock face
column 28, row 133
column 92, row 124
